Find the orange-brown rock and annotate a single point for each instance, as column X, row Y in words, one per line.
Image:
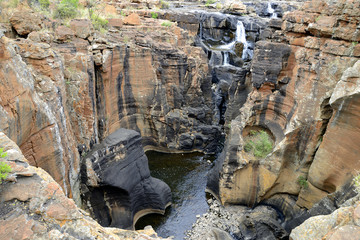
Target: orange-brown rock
column 32, row 105
column 158, row 86
column 132, row 19
column 115, row 22
column 64, row 34
column 25, row 22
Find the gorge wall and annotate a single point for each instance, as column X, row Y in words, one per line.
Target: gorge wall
column 65, row 90
column 303, row 94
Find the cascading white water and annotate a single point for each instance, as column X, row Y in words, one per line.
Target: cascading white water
column 271, row 11
column 240, row 36
column 226, row 59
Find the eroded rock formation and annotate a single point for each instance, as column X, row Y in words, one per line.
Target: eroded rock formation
column 116, row 184
column 304, row 95
column 34, row 206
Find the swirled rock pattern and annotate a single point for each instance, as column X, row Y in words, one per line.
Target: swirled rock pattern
column 34, row 206
column 116, row 184
column 304, row 95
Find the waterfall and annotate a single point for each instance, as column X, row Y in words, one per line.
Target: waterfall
column 226, row 59
column 239, row 37
column 271, row 11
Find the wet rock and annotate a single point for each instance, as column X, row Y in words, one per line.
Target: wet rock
column 263, row 67
column 116, row 184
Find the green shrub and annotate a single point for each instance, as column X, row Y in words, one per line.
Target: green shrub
column 259, row 144
column 4, row 168
column 122, row 13
column 166, row 24
column 208, row 2
column 164, row 5
column 99, row 22
column 67, row 9
column 303, row 182
column 154, row 15
column 356, row 183
column 44, row 4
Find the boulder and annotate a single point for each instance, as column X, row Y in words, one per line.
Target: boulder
column 82, row 28
column 117, row 187
column 132, row 19
column 25, row 22
column 64, row 34
column 341, row 224
column 115, row 22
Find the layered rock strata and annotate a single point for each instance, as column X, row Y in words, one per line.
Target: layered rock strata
column 300, row 78
column 66, row 88
column 116, row 184
column 34, row 206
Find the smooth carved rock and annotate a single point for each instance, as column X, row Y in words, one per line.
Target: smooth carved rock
column 306, row 96
column 35, row 207
column 25, row 22
column 116, row 184
column 175, row 99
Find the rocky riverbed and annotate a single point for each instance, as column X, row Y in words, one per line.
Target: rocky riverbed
column 237, row 222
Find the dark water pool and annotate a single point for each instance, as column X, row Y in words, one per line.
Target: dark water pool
column 186, row 176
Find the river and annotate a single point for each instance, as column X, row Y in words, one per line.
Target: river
column 186, row 176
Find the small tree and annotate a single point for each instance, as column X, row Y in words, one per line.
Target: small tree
column 303, row 182
column 259, row 144
column 4, row 168
column 67, row 9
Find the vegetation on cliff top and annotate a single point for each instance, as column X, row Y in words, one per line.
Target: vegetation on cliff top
column 67, row 10
column 258, row 143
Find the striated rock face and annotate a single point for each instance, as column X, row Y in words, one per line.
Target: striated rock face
column 305, row 96
column 34, row 206
column 65, row 89
column 32, row 107
column 159, row 90
column 116, row 184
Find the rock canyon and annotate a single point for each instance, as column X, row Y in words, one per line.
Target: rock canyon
column 84, row 98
